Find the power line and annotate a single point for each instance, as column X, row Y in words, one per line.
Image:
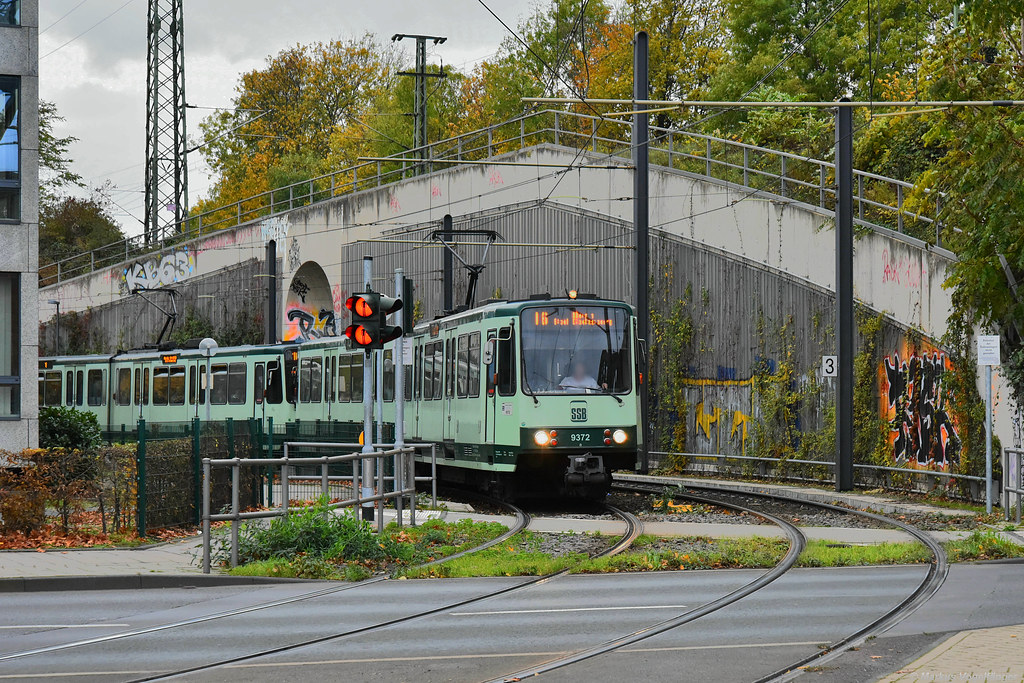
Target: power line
column 65, row 44
column 63, row 17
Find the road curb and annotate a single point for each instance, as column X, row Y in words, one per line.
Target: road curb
column 33, row 584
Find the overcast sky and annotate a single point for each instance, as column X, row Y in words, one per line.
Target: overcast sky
column 93, row 65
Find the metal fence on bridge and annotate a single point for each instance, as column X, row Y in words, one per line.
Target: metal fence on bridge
column 879, row 201
column 1013, row 481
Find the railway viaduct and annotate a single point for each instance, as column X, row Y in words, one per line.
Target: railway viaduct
column 742, row 256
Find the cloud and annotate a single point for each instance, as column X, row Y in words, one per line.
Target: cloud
column 98, row 80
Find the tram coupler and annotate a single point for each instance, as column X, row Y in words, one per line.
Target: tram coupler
column 585, row 470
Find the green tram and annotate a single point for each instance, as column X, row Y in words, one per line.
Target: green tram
column 532, row 397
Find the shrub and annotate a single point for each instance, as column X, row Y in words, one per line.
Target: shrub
column 68, row 428
column 22, row 495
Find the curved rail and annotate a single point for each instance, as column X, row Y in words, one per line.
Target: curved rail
column 931, row 583
column 522, row 521
column 797, row 541
column 633, row 529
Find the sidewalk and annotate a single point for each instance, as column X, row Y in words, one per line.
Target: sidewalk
column 990, row 655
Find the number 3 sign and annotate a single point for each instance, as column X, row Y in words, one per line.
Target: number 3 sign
column 830, row 366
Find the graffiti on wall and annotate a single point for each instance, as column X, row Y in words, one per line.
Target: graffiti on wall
column 276, row 229
column 915, row 403
column 306, row 324
column 721, row 415
column 902, row 271
column 158, row 272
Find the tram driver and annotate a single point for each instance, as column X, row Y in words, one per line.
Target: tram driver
column 580, row 379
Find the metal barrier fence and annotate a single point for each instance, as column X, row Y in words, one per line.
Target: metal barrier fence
column 879, row 201
column 720, row 463
column 1013, row 481
column 395, row 466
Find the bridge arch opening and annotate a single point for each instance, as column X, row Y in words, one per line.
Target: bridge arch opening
column 309, row 308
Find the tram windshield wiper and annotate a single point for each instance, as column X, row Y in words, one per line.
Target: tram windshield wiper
column 608, row 391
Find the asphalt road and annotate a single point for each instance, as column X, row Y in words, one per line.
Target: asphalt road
column 779, row 624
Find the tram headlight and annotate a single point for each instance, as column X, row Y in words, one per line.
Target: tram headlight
column 620, row 436
column 541, row 438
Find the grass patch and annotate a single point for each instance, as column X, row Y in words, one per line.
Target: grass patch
column 982, row 545
column 832, row 554
column 318, row 543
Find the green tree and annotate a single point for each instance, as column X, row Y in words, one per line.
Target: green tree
column 69, row 226
column 55, row 174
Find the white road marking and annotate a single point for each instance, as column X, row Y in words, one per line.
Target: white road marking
column 424, row 658
column 498, row 655
column 17, row 627
column 564, row 609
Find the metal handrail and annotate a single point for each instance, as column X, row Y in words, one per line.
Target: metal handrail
column 403, row 485
column 485, row 142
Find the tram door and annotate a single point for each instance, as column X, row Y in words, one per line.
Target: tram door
column 488, row 360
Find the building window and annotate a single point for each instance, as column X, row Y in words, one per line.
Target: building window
column 10, row 346
column 10, row 12
column 10, row 164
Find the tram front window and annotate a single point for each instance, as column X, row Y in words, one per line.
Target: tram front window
column 575, row 350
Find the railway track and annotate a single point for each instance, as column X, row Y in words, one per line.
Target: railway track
column 633, row 528
column 921, row 593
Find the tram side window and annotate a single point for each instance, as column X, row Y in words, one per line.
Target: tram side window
column 236, row 383
column 176, row 387
column 474, row 365
column 330, row 378
column 124, row 387
column 310, row 377
column 273, row 394
column 50, row 388
column 193, row 386
column 291, row 376
column 219, row 390
column 428, row 372
column 407, row 389
column 462, row 369
column 450, row 368
column 96, row 387
column 357, row 377
column 160, row 386
column 344, row 380
column 389, row 375
column 506, row 362
column 417, row 377
column 79, row 387
column 69, row 388
column 259, row 381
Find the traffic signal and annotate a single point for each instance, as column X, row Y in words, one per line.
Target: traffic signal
column 386, row 306
column 365, row 328
column 369, row 329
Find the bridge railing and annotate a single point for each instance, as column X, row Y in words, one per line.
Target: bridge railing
column 879, row 201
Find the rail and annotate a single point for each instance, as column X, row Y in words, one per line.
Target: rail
column 879, row 201
column 913, row 471
column 366, row 484
column 1013, row 481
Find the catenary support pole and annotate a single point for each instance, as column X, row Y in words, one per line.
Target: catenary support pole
column 448, row 272
column 641, row 228
column 367, row 406
column 270, row 257
column 844, row 297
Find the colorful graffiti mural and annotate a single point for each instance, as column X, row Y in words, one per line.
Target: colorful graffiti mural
column 158, row 272
column 307, row 324
column 915, row 403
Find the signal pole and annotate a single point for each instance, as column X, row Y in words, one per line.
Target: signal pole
column 368, row 469
column 421, row 75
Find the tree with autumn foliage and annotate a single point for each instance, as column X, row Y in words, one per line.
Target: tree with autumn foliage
column 285, row 114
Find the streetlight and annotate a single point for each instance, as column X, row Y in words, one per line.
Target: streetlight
column 56, row 345
column 209, row 348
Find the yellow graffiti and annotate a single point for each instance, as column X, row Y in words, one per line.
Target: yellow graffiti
column 739, row 424
column 705, row 420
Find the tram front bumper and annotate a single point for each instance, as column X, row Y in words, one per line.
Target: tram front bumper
column 586, row 469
